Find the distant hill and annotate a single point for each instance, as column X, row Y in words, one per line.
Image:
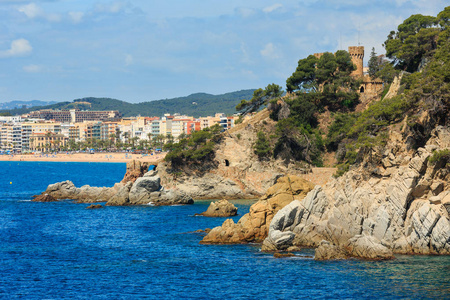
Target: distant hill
column 28, row 104
column 199, row 104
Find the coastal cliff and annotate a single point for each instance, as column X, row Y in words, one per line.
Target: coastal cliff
column 400, row 206
column 237, row 172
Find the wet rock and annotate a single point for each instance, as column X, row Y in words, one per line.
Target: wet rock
column 283, row 255
column 328, row 251
column 94, row 206
column 44, row 198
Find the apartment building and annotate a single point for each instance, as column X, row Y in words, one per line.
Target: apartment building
column 11, row 138
column 47, row 141
column 74, row 115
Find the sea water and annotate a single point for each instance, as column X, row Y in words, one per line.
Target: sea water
column 62, row 250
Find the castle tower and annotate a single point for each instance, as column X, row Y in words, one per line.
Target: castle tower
column 357, row 54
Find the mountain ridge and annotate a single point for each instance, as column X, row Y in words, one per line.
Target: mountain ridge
column 196, row 104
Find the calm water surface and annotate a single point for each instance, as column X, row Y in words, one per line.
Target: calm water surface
column 64, row 251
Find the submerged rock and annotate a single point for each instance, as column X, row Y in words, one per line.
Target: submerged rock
column 94, row 206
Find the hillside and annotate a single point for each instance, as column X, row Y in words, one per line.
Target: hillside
column 28, row 104
column 199, row 104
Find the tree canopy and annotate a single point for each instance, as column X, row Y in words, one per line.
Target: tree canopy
column 327, row 80
column 260, row 98
column 416, row 40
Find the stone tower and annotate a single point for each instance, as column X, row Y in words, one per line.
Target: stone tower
column 357, row 54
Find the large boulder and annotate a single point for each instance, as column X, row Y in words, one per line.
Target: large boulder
column 121, row 198
column 142, row 189
column 62, row 190
column 254, row 226
column 222, row 208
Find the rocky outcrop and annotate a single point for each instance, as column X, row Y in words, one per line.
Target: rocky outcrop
column 135, row 169
column 44, row 198
column 94, row 206
column 254, row 226
column 370, row 212
column 222, row 208
column 238, row 172
column 145, row 190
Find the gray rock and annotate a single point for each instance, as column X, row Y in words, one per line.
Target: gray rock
column 328, row 251
column 62, row 190
column 142, row 188
column 367, row 247
column 121, row 197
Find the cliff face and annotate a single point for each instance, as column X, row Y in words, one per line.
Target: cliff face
column 239, row 173
column 401, row 205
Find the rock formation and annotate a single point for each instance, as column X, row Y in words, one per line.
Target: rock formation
column 399, row 206
column 94, row 206
column 135, row 169
column 254, row 226
column 222, row 208
column 142, row 191
column 44, row 198
column 239, row 173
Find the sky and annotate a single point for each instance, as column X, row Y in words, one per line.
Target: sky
column 143, row 50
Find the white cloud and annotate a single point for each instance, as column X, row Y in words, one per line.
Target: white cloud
column 20, row 47
column 272, row 8
column 113, row 8
column 128, row 59
column 32, row 68
column 33, row 11
column 269, row 51
column 76, row 16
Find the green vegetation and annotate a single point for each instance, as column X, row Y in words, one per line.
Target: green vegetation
column 440, row 156
column 195, row 150
column 197, row 105
column 262, row 146
column 425, row 91
column 5, row 114
column 327, row 81
column 260, row 98
column 416, row 40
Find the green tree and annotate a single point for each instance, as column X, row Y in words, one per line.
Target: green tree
column 374, row 63
column 414, row 40
column 327, row 81
column 262, row 146
column 260, row 97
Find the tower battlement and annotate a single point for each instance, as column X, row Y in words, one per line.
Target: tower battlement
column 357, row 54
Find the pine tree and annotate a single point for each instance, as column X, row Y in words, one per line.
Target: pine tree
column 374, row 63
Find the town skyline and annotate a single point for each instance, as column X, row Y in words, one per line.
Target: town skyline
column 140, row 51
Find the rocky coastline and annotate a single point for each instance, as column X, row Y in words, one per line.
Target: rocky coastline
column 138, row 187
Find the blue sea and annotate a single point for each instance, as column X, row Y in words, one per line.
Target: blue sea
column 62, row 250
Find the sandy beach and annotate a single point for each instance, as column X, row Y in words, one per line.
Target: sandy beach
column 85, row 157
